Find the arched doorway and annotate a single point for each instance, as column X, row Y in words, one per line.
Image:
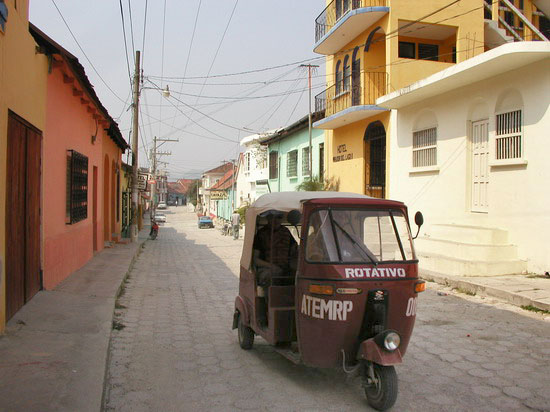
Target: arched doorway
column 375, row 160
column 106, row 236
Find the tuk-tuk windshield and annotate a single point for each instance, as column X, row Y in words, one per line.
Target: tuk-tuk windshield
column 358, row 236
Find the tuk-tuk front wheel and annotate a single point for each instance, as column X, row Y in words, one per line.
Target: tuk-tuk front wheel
column 246, row 335
column 380, row 386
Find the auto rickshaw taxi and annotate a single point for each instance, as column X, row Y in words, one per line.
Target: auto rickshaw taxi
column 348, row 295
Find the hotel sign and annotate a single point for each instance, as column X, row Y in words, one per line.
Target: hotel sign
column 342, row 154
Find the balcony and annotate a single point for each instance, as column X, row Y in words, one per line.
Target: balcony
column 345, row 102
column 343, row 20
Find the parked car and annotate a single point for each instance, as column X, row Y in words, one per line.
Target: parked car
column 205, row 221
column 161, row 205
column 160, row 217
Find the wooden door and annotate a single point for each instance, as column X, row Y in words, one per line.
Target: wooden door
column 480, row 166
column 22, row 214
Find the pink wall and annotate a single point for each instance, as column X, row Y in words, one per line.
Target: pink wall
column 68, row 126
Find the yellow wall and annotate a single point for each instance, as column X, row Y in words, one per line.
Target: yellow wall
column 466, row 16
column 383, row 56
column 23, row 76
column 352, row 172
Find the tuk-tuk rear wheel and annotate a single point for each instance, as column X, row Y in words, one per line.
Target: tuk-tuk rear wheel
column 246, row 335
column 382, row 393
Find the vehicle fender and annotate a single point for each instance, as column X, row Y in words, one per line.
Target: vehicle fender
column 370, row 351
column 240, row 308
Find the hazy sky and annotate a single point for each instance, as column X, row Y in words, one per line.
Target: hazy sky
column 259, row 34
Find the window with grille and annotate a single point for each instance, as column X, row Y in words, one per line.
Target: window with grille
column 425, row 147
column 292, row 163
column 305, row 161
column 77, row 187
column 247, row 162
column 428, row 51
column 509, row 136
column 273, row 165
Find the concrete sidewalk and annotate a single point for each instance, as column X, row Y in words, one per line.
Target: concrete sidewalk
column 54, row 352
column 519, row 290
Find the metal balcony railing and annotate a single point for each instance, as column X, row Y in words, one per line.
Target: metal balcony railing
column 347, row 92
column 336, row 10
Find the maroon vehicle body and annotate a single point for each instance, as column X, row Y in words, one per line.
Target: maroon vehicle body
column 331, row 329
column 346, row 297
column 396, row 280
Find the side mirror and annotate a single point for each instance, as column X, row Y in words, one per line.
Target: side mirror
column 293, row 217
column 419, row 220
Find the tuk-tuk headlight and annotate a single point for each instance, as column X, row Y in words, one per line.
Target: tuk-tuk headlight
column 392, row 341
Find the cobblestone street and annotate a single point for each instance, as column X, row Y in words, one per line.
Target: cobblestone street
column 173, row 348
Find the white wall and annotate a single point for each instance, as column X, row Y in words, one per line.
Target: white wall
column 518, row 196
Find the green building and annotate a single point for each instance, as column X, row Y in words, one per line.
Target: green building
column 288, row 154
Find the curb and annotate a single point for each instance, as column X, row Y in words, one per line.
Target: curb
column 117, row 295
column 484, row 290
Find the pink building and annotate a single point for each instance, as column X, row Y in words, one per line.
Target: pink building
column 81, row 151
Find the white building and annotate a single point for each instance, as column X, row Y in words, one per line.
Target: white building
column 252, row 171
column 471, row 151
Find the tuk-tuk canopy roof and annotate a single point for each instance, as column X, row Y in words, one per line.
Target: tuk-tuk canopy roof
column 287, row 201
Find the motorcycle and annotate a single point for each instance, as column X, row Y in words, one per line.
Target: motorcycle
column 154, row 230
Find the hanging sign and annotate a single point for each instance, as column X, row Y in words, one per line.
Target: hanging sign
column 218, row 194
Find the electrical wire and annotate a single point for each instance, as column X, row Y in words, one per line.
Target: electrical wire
column 162, row 57
column 216, row 54
column 144, row 31
column 189, row 51
column 84, row 53
column 292, row 86
column 131, row 29
column 212, row 76
column 125, row 42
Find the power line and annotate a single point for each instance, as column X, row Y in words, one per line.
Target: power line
column 288, row 92
column 243, row 72
column 84, row 53
column 189, row 52
column 144, row 30
column 162, row 56
column 193, row 121
column 125, row 41
column 216, row 54
column 131, row 28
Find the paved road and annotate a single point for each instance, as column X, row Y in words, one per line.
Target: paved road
column 177, row 352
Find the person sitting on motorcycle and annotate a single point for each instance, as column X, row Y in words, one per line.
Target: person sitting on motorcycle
column 154, row 228
column 274, row 251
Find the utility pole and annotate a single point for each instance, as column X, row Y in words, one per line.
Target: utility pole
column 135, row 127
column 309, row 67
column 154, row 171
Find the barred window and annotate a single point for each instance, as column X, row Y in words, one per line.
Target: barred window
column 292, row 163
column 273, row 165
column 509, row 136
column 425, row 147
column 305, row 161
column 77, row 187
column 428, row 51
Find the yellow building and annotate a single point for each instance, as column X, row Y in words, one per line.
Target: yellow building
column 23, row 76
column 375, row 47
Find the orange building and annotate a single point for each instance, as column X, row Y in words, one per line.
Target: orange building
column 82, row 158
